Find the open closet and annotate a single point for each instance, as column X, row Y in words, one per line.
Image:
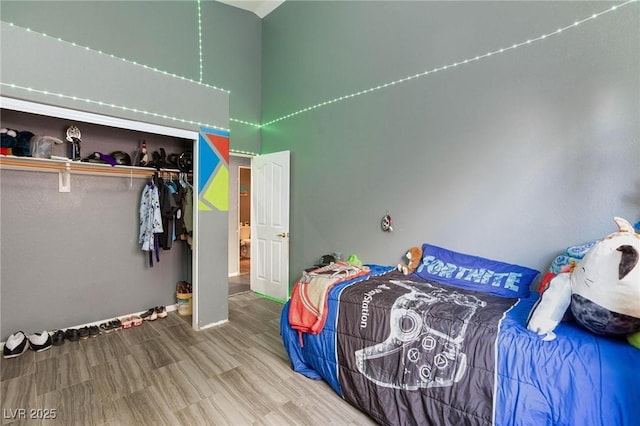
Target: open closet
column 72, row 257
column 70, row 229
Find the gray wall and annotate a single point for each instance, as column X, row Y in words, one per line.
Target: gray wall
column 162, row 35
column 122, row 89
column 512, row 157
column 212, row 229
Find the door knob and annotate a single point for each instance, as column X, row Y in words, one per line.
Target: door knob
column 283, row 235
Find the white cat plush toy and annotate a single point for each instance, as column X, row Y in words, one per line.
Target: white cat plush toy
column 603, row 291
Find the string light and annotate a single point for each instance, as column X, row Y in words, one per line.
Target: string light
column 200, row 40
column 321, row 104
column 11, row 24
column 235, row 120
column 456, row 64
column 114, row 106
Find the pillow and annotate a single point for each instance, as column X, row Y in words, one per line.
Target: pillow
column 475, row 273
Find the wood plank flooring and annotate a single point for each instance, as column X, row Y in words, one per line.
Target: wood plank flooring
column 239, row 284
column 164, row 373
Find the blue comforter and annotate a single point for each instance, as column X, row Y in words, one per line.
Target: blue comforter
column 577, row 379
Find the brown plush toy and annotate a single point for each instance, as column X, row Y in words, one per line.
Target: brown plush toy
column 414, row 255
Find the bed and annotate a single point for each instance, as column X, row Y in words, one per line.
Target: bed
column 448, row 346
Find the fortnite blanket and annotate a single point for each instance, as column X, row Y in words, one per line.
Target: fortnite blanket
column 424, row 352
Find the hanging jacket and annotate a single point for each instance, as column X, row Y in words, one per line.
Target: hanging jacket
column 150, row 217
column 168, row 209
column 188, row 214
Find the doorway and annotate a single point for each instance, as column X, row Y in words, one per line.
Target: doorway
column 244, row 222
column 239, row 224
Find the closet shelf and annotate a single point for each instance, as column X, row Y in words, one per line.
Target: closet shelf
column 65, row 168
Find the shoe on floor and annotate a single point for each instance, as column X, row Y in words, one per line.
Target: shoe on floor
column 161, row 311
column 40, row 342
column 116, row 325
column 84, row 333
column 126, row 322
column 58, row 338
column 72, row 334
column 16, row 345
column 106, row 327
column 136, row 320
column 150, row 315
column 94, row 331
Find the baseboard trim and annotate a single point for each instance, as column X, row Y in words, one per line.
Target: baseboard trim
column 170, row 308
column 213, row 324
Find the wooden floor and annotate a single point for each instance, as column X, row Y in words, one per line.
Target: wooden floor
column 239, row 284
column 245, row 265
column 164, row 373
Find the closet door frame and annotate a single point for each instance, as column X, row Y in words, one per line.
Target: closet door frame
column 103, row 120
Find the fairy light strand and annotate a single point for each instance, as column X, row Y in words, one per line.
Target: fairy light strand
column 453, row 65
column 200, row 40
column 235, row 120
column 110, row 105
column 321, row 104
column 112, row 56
column 123, row 108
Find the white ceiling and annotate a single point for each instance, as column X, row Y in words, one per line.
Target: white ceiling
column 260, row 7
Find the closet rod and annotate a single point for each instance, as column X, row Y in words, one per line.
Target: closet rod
column 96, row 169
column 65, row 168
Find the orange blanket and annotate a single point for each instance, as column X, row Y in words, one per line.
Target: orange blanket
column 308, row 305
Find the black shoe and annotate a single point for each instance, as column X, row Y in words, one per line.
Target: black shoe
column 94, row 331
column 58, row 338
column 40, row 342
column 72, row 334
column 116, row 324
column 84, row 333
column 16, row 345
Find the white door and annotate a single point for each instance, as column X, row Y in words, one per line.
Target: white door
column 270, row 225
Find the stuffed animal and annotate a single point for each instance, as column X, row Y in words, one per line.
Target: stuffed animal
column 413, row 255
column 603, row 291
